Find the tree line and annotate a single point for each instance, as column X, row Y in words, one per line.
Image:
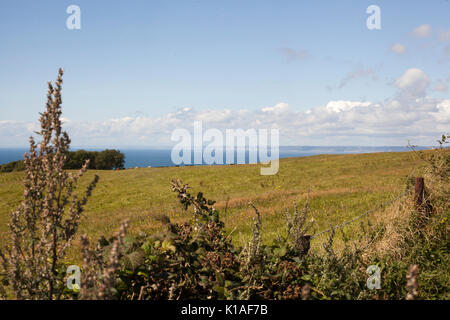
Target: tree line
column 108, row 159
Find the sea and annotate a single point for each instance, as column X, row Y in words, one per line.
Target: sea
column 161, row 157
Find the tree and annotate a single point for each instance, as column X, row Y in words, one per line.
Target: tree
column 76, row 159
column 109, row 159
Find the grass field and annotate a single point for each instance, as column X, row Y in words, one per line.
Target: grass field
column 339, row 186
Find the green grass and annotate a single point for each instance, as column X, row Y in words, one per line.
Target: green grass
column 340, row 187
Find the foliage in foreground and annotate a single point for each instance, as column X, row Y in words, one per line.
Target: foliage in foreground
column 197, row 260
column 44, row 225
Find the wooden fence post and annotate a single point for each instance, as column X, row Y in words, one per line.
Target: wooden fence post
column 419, row 194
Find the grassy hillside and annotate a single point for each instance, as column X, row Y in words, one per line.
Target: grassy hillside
column 339, row 186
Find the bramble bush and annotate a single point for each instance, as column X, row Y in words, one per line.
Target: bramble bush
column 197, row 260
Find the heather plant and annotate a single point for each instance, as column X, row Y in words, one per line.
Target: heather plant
column 45, row 223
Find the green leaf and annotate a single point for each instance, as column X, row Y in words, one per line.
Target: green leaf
column 219, row 290
column 306, row 277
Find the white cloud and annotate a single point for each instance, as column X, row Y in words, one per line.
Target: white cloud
column 443, row 112
column 293, row 55
column 359, row 73
column 277, row 109
column 354, row 122
column 441, row 87
column 413, row 116
column 413, row 82
column 422, row 31
column 341, row 105
column 444, row 36
column 446, row 56
column 398, row 48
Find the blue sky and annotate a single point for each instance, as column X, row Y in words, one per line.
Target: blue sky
column 136, row 64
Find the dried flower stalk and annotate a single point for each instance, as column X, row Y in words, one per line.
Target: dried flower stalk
column 98, row 277
column 45, row 223
column 411, row 282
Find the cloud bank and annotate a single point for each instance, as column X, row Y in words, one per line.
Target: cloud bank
column 410, row 115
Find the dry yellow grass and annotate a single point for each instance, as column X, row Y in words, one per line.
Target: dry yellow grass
column 340, row 187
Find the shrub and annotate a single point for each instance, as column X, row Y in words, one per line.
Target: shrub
column 196, row 260
column 76, row 159
column 12, row 166
column 109, row 159
column 101, row 160
column 44, row 225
